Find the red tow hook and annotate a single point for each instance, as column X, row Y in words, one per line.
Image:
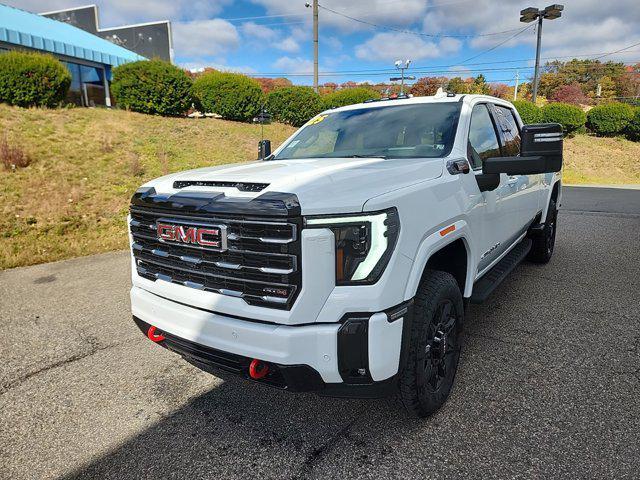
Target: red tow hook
column 258, row 369
column 151, row 333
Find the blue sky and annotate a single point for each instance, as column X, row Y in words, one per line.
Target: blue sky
column 442, row 37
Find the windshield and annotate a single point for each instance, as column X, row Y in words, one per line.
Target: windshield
column 424, row 130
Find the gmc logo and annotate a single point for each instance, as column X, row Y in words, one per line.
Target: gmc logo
column 203, row 236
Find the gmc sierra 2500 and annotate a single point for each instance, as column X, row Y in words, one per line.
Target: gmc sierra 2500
column 343, row 262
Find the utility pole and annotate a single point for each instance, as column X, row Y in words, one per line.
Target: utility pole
column 529, row 15
column 315, row 43
column 515, row 90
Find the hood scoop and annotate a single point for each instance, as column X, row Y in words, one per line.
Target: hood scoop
column 241, row 186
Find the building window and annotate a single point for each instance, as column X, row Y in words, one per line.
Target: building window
column 93, row 84
column 87, row 85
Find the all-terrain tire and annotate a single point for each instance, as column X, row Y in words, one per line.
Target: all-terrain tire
column 543, row 243
column 436, row 340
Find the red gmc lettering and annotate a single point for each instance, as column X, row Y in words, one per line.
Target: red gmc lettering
column 203, row 241
column 179, row 233
column 187, row 235
column 165, row 232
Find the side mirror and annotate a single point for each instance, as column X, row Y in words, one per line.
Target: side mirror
column 264, row 149
column 540, row 152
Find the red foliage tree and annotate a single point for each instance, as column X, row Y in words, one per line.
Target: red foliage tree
column 571, row 93
column 500, row 90
column 271, row 84
column 426, row 86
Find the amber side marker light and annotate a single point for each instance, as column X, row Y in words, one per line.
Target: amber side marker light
column 447, row 230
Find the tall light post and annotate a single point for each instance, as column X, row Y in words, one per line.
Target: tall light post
column 402, row 65
column 530, row 14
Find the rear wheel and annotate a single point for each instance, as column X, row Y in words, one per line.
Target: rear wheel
column 543, row 244
column 434, row 351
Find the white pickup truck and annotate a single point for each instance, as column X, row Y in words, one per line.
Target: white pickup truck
column 343, row 262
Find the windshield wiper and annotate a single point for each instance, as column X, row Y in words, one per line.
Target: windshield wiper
column 368, row 156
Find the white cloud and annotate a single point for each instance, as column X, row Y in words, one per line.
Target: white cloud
column 394, row 12
column 256, row 31
column 288, row 45
column 261, row 37
column 118, row 12
column 202, row 38
column 199, row 65
column 332, row 43
column 459, row 71
column 293, row 65
column 588, row 26
column 391, row 46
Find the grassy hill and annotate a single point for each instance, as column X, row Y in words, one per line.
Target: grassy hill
column 73, row 199
column 86, row 163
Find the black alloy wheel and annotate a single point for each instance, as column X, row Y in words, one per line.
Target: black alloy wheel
column 436, row 340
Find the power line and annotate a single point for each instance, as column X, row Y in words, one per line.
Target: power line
column 521, row 31
column 411, row 32
column 444, row 72
column 256, row 17
column 618, row 51
column 430, row 69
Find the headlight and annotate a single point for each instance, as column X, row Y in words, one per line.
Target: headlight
column 364, row 243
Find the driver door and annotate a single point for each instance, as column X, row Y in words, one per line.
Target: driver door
column 492, row 222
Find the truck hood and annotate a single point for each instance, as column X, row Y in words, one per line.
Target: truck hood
column 322, row 185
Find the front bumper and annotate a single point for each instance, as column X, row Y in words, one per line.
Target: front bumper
column 359, row 356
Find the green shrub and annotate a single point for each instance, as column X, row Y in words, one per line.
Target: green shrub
column 152, row 86
column 633, row 128
column 348, row 96
column 571, row 118
column 609, row 119
column 32, row 79
column 231, row 95
column 529, row 112
column 294, row 105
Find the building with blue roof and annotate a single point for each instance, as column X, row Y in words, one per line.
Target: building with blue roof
column 88, row 57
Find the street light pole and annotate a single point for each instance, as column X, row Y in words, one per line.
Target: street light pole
column 401, row 65
column 529, row 15
column 536, row 75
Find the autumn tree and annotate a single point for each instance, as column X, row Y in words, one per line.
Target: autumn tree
column 457, row 85
column 569, row 94
column 426, row 86
column 271, row 84
column 501, row 90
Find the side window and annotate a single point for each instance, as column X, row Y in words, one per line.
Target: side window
column 483, row 141
column 510, row 131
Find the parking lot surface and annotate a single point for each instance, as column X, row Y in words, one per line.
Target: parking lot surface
column 548, row 386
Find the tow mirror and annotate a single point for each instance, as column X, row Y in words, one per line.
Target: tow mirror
column 540, row 152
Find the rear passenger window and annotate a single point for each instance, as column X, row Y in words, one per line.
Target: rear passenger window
column 510, row 131
column 483, row 141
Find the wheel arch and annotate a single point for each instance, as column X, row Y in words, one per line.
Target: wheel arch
column 556, row 195
column 451, row 253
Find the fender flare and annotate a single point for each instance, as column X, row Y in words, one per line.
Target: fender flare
column 556, row 181
column 432, row 244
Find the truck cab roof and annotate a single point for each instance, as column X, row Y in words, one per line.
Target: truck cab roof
column 443, row 97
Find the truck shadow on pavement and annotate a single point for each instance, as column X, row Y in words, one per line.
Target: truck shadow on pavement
column 241, row 429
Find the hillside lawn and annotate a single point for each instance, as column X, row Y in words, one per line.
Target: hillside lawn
column 86, row 163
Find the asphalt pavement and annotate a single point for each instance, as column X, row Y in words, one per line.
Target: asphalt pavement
column 548, row 386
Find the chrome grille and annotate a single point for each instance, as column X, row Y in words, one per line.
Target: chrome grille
column 261, row 264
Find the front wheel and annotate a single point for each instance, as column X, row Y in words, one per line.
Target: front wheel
column 543, row 244
column 436, row 335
